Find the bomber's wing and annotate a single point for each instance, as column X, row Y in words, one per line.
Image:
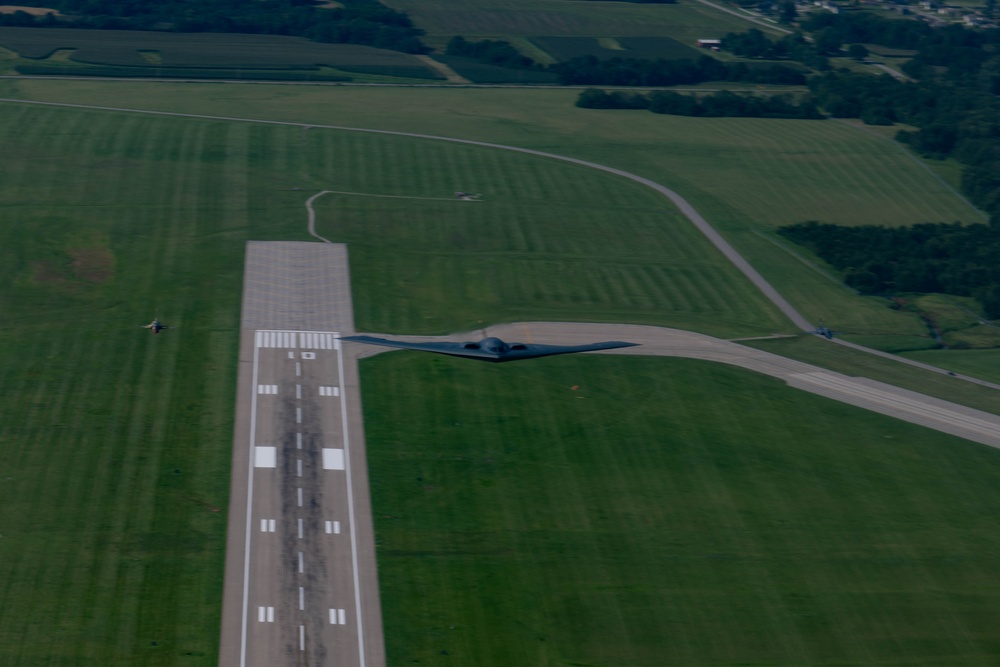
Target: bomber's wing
column 471, row 350
column 530, row 350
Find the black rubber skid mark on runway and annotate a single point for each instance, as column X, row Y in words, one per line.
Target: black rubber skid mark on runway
column 315, row 576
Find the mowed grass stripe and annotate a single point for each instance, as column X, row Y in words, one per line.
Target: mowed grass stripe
column 669, row 512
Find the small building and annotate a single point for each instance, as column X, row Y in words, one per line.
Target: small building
column 709, row 43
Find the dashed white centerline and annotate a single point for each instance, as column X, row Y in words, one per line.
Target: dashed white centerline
column 301, row 526
column 300, row 495
column 302, row 563
column 302, row 598
column 298, row 463
column 298, row 391
column 298, row 441
column 298, row 368
column 298, row 415
column 302, row 638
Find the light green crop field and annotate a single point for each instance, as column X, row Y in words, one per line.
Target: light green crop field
column 747, row 176
column 686, row 20
column 589, row 511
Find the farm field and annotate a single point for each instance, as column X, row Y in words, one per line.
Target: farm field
column 170, row 54
column 685, row 21
column 565, row 48
column 584, row 510
column 747, row 176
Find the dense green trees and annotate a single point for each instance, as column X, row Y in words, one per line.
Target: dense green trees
column 588, row 70
column 492, row 51
column 755, row 44
column 932, row 257
column 721, row 104
column 357, row 22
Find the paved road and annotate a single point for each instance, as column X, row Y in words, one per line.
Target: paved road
column 301, row 585
column 879, row 397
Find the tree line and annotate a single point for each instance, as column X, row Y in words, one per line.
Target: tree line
column 929, row 257
column 357, row 22
column 717, row 105
column 591, row 71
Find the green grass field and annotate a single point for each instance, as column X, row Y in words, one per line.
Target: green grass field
column 685, row 21
column 649, row 517
column 162, row 54
column 115, row 444
column 747, row 176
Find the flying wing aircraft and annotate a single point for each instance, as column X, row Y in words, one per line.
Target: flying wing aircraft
column 155, row 326
column 490, row 349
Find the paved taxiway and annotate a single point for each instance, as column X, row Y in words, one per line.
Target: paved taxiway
column 937, row 414
column 301, row 586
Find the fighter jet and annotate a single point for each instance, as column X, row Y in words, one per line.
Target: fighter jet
column 825, row 331
column 490, row 349
column 155, row 326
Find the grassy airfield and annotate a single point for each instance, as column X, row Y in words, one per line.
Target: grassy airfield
column 748, row 176
column 115, row 445
column 590, row 511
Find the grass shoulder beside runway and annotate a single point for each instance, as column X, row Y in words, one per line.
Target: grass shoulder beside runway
column 588, row 510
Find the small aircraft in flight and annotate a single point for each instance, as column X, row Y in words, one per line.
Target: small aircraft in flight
column 155, row 326
column 490, row 349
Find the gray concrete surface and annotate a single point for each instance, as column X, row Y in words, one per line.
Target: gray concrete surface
column 301, row 586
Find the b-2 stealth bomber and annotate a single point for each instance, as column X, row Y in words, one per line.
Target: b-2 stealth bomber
column 490, row 349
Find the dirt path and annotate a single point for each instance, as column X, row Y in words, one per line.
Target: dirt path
column 450, row 75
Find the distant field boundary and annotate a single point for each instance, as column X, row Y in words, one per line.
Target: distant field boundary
column 721, row 244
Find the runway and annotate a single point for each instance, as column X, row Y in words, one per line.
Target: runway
column 301, row 586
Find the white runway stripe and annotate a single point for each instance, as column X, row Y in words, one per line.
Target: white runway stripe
column 267, row 389
column 329, row 391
